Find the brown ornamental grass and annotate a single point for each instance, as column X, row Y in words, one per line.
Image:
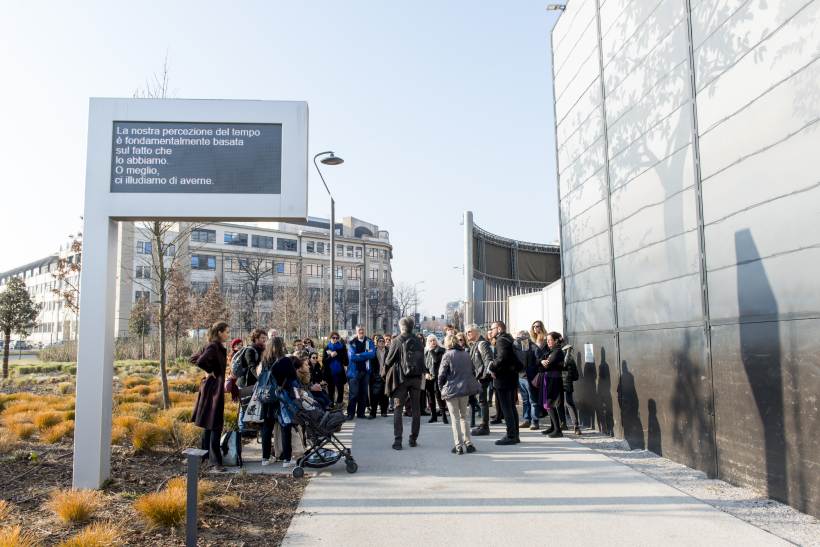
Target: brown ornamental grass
column 44, row 420
column 75, row 506
column 147, row 436
column 57, row 433
column 14, row 536
column 165, row 509
column 99, row 534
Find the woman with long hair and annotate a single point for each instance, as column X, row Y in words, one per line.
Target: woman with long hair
column 457, row 382
column 552, row 385
column 209, row 409
column 278, row 370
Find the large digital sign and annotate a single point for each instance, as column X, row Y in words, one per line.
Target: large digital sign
column 196, row 157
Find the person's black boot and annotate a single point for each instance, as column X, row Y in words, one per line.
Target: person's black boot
column 480, row 430
column 551, row 428
column 433, row 418
column 444, row 418
column 556, row 432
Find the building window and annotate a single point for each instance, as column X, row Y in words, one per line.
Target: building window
column 170, row 250
column 373, row 253
column 339, row 272
column 203, row 262
column 373, row 274
column 350, row 251
column 201, row 235
column 386, row 277
column 320, row 247
column 340, row 250
column 352, row 295
column 310, row 247
column 280, row 267
column 385, row 254
column 358, row 252
column 143, row 247
column 142, row 295
column 262, row 242
column 199, row 287
column 353, row 273
column 143, row 272
column 314, row 270
column 235, row 238
column 283, row 244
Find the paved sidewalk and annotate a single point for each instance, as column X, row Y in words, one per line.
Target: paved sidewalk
column 542, row 491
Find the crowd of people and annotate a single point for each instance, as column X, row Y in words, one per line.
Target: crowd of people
column 458, row 380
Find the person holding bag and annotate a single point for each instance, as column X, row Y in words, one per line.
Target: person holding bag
column 209, row 409
column 456, row 382
column 552, row 385
column 278, row 371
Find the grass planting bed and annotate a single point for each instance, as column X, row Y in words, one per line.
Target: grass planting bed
column 143, row 502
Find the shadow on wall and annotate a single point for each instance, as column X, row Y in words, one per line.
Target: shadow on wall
column 603, row 394
column 692, row 427
column 760, row 353
column 630, row 409
column 653, row 443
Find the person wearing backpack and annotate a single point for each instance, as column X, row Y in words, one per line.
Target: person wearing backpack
column 277, row 370
column 244, row 363
column 481, row 354
column 569, row 375
column 405, row 367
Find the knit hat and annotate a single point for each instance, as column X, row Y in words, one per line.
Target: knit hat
column 235, row 342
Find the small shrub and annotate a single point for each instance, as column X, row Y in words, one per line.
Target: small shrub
column 162, row 509
column 227, row 501
column 146, row 436
column 180, row 413
column 74, row 506
column 8, row 442
column 45, row 420
column 65, row 404
column 55, row 434
column 143, row 411
column 23, row 431
column 99, row 534
column 133, row 381
column 127, row 422
column 23, row 406
column 123, row 398
column 18, row 418
column 118, row 434
column 13, row 536
column 179, row 485
column 186, row 434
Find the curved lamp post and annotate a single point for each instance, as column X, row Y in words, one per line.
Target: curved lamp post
column 330, row 159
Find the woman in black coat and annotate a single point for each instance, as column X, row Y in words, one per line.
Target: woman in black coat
column 552, row 384
column 432, row 361
column 209, row 409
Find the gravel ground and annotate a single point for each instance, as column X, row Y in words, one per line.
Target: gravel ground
column 743, row 503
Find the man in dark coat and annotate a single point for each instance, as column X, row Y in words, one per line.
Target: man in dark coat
column 505, row 369
column 402, row 388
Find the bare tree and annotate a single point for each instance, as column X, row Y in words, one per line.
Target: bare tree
column 139, row 322
column 67, row 276
column 406, row 298
column 255, row 271
column 180, row 307
column 211, row 307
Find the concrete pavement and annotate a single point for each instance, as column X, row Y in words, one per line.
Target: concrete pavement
column 542, row 491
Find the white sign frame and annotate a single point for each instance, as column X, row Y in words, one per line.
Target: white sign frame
column 103, row 209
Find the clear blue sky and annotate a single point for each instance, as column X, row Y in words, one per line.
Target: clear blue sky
column 436, row 106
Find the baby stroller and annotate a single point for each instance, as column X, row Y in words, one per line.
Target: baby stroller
column 322, row 447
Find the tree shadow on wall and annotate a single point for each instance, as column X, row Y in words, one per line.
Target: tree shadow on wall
column 760, row 353
column 691, row 409
column 630, row 409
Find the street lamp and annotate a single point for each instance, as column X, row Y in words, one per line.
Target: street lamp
column 330, row 159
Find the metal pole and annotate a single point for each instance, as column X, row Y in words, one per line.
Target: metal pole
column 332, row 262
column 469, row 301
column 194, row 456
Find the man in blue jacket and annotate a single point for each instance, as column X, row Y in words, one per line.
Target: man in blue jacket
column 361, row 352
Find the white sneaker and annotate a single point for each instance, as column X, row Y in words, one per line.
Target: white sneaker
column 265, row 462
column 288, row 463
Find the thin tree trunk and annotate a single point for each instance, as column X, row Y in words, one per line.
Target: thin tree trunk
column 166, row 396
column 7, row 338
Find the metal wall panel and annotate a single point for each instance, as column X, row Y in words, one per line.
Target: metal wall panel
column 767, row 377
column 664, row 395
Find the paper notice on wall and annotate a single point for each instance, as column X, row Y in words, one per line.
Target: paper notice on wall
column 589, row 354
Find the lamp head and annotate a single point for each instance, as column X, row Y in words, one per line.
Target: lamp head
column 332, row 159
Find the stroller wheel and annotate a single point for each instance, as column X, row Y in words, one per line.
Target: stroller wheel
column 351, row 466
column 298, row 472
